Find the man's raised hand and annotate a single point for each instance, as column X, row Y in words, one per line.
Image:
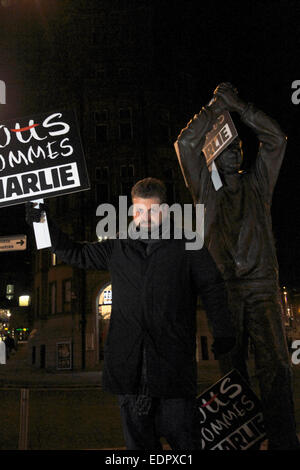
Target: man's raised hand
column 33, row 213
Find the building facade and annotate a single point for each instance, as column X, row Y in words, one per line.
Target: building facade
column 131, row 100
column 110, row 61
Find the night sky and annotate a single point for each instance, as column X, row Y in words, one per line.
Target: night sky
column 253, row 44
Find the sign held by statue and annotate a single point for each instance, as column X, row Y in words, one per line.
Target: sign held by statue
column 230, row 415
column 221, row 135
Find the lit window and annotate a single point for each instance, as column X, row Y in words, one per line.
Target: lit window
column 105, row 303
column 10, row 289
column 24, row 300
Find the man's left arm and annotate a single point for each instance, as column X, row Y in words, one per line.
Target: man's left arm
column 210, row 285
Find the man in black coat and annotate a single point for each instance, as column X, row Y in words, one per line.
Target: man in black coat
column 149, row 355
column 238, row 234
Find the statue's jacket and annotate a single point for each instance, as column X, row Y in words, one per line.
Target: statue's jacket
column 237, row 221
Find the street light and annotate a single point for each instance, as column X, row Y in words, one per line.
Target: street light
column 24, row 300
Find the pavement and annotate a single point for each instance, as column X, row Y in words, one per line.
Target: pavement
column 17, row 373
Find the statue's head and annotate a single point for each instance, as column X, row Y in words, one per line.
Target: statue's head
column 230, row 160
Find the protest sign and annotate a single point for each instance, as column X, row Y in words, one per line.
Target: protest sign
column 41, row 156
column 229, row 415
column 221, row 135
column 216, row 140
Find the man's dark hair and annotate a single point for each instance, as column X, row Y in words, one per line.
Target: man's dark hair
column 149, row 188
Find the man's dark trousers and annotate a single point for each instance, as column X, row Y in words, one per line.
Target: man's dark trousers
column 172, row 418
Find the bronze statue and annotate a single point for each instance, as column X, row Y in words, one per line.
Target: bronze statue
column 238, row 234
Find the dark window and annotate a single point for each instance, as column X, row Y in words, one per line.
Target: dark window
column 124, row 75
column 62, row 204
column 125, row 124
column 126, row 189
column 99, row 36
column 101, row 173
column 102, row 192
column 125, row 114
column 101, row 133
column 170, row 192
column 162, row 133
column 37, row 302
column 168, row 173
column 127, row 171
column 204, row 348
column 169, row 182
column 33, row 355
column 67, row 295
column 130, row 171
column 37, row 261
column 127, row 174
column 123, row 171
column 125, row 131
column 101, row 116
column 52, row 298
column 163, row 130
column 43, row 356
column 100, row 75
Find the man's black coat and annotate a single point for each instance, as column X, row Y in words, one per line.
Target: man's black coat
column 155, row 289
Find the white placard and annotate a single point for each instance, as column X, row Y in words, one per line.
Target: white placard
column 217, row 182
column 41, row 230
column 2, row 352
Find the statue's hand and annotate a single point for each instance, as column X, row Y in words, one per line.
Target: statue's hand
column 217, row 105
column 230, row 97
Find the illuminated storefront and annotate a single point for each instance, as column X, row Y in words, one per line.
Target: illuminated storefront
column 104, row 306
